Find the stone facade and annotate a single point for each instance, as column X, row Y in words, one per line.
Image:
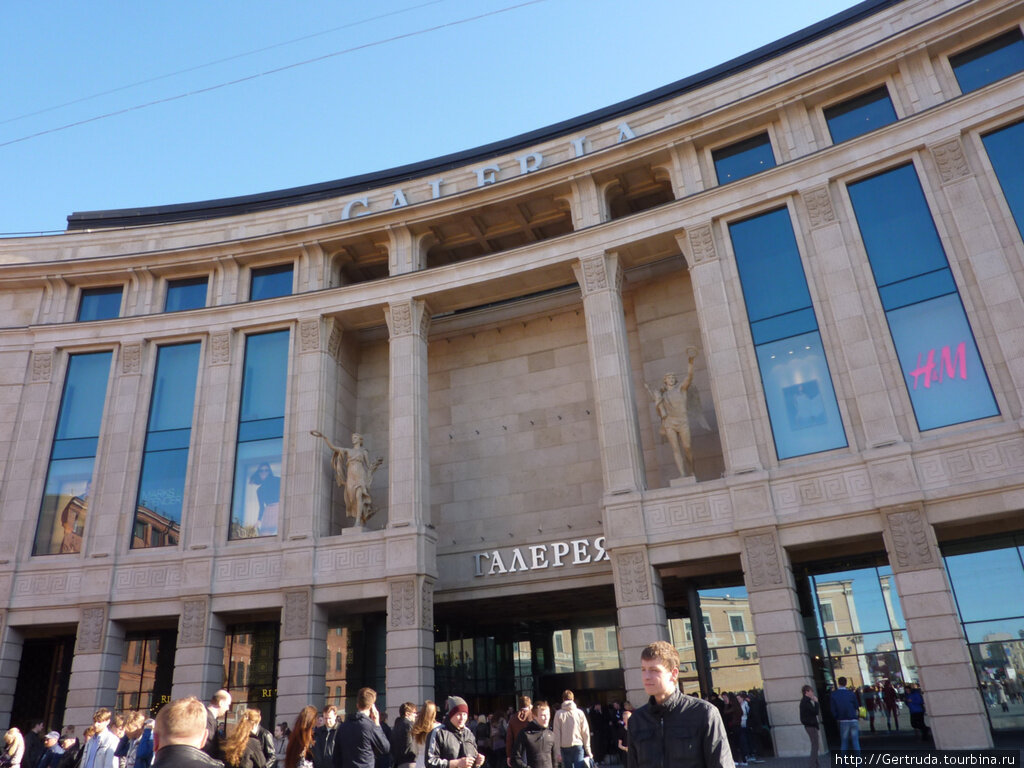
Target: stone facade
column 490, row 334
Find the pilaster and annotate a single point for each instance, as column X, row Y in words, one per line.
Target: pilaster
column 199, row 657
column 586, row 203
column 301, row 662
column 641, row 612
column 410, row 641
column 956, row 713
column 1000, row 295
column 314, row 372
column 600, row 278
column 120, row 458
column 11, row 643
column 407, row 252
column 781, row 642
column 409, row 461
column 736, row 422
column 99, row 648
column 213, row 446
column 856, row 342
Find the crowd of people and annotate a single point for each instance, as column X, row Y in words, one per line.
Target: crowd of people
column 671, row 729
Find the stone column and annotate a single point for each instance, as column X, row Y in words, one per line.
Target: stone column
column 210, row 501
column 641, row 613
column 955, row 711
column 407, row 252
column 858, row 345
column 781, row 642
column 410, row 641
column 409, row 462
column 738, row 427
column 622, row 464
column 26, row 459
column 11, row 643
column 988, row 258
column 95, row 667
column 587, row 205
column 108, row 526
column 312, row 405
column 302, row 655
column 199, row 658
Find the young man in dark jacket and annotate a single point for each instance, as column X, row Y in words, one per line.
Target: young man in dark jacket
column 809, row 710
column 844, row 705
column 535, row 745
column 403, row 751
column 673, row 730
column 453, row 744
column 360, row 740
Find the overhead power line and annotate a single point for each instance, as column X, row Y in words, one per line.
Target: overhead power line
column 275, row 70
column 233, row 57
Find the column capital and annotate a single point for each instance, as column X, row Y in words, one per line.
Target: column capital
column 909, row 538
column 599, row 272
column 220, row 348
column 632, row 570
column 819, row 206
column 42, row 365
column 407, row 318
column 699, row 240
column 192, row 627
column 91, row 629
column 297, row 614
column 411, row 603
column 950, row 159
column 764, row 562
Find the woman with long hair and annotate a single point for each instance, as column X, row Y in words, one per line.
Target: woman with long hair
column 426, row 721
column 300, row 743
column 242, row 748
column 14, row 749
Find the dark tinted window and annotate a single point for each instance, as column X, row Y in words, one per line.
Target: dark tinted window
column 100, row 303
column 860, row 115
column 1005, row 149
column 992, row 60
column 744, row 158
column 270, row 282
column 186, row 294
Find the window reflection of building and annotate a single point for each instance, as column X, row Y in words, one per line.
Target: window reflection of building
column 355, row 658
column 154, row 530
column 250, row 666
column 147, row 668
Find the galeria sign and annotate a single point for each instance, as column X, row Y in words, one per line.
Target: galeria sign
column 540, row 556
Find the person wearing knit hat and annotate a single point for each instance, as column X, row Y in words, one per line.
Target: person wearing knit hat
column 453, row 745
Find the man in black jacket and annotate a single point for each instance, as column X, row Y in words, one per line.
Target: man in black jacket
column 219, row 705
column 453, row 744
column 809, row 710
column 673, row 730
column 403, row 752
column 179, row 736
column 535, row 745
column 360, row 740
column 324, row 737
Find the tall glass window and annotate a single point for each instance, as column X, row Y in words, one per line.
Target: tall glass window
column 270, row 282
column 798, row 388
column 1005, row 149
column 147, row 670
column 189, row 293
column 992, row 60
column 941, row 366
column 165, row 457
column 859, row 115
column 987, row 577
column 356, row 645
column 855, row 627
column 99, row 304
column 69, row 476
column 256, row 500
column 744, row 158
column 250, row 668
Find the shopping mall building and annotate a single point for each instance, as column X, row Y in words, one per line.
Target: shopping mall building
column 831, row 224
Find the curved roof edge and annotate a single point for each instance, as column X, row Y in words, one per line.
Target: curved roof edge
column 283, row 198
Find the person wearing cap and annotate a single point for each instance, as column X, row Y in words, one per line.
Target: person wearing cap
column 453, row 744
column 51, row 751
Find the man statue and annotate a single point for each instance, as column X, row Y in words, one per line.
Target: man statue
column 670, row 401
column 353, row 471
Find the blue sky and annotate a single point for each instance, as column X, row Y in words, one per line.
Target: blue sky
column 194, row 100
